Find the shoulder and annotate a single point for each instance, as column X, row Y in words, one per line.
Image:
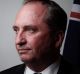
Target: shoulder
column 67, row 68
column 14, row 70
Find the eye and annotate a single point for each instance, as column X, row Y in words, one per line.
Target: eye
column 16, row 29
column 31, row 29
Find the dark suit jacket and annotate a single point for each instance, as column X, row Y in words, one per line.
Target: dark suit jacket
column 65, row 68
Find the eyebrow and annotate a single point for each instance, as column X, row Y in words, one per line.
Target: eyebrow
column 25, row 27
column 14, row 26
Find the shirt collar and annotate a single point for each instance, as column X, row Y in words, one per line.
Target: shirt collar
column 28, row 71
column 52, row 69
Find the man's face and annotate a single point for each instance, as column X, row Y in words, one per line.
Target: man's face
column 32, row 33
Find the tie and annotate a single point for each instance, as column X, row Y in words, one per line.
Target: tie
column 37, row 73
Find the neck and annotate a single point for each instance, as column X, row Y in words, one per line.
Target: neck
column 40, row 65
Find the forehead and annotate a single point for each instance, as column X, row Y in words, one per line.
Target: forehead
column 35, row 6
column 33, row 12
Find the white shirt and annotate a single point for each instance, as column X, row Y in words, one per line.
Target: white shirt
column 52, row 69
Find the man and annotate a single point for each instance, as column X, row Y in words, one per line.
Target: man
column 40, row 26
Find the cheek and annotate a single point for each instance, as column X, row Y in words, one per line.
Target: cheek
column 40, row 44
column 35, row 41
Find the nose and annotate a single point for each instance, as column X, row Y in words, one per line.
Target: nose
column 21, row 39
column 21, row 42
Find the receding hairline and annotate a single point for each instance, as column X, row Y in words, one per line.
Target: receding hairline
column 52, row 7
column 28, row 1
column 44, row 6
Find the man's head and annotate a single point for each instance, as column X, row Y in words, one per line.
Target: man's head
column 39, row 27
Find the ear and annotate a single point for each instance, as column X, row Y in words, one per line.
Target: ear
column 58, row 39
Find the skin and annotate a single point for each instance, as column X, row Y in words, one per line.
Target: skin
column 33, row 41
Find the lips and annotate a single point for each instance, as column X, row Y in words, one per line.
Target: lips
column 23, row 51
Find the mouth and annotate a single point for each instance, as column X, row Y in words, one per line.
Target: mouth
column 23, row 51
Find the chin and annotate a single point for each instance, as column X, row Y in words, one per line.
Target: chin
column 26, row 59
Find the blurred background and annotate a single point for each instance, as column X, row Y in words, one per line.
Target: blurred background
column 8, row 10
